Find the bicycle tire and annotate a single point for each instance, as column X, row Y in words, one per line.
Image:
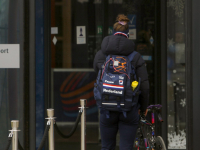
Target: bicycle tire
column 160, row 144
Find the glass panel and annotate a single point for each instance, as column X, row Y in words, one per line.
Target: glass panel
column 176, row 74
column 78, row 39
column 81, row 25
column 11, row 81
column 141, row 29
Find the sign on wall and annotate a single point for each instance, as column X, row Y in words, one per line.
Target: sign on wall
column 110, row 30
column 132, row 34
column 99, row 30
column 81, row 34
column 9, row 56
column 54, row 30
column 132, row 26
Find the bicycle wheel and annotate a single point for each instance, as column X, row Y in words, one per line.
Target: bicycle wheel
column 160, row 145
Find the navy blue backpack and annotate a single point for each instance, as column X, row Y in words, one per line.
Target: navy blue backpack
column 112, row 90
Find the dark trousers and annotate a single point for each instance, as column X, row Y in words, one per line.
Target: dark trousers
column 127, row 129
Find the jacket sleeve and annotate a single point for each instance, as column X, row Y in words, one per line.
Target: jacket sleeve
column 98, row 61
column 141, row 72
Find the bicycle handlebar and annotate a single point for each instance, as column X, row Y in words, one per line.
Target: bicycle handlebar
column 157, row 109
column 154, row 107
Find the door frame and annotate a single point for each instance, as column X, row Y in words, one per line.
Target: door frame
column 161, row 49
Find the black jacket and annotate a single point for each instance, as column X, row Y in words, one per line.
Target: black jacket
column 120, row 45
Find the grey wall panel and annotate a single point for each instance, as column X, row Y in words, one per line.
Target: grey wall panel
column 164, row 69
column 196, row 72
column 189, row 73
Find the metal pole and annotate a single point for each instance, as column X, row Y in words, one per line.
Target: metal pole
column 15, row 125
column 50, row 114
column 83, row 125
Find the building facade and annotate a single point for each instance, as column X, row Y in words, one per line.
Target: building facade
column 58, row 40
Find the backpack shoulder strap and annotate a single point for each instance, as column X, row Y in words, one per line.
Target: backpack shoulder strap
column 132, row 55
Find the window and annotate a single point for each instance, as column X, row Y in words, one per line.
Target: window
column 176, row 97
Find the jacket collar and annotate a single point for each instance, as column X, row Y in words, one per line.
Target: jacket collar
column 124, row 33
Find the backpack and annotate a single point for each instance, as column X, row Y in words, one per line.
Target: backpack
column 112, row 90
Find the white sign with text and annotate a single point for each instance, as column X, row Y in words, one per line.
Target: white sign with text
column 132, row 34
column 81, row 34
column 9, row 56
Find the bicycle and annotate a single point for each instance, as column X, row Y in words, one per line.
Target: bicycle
column 148, row 140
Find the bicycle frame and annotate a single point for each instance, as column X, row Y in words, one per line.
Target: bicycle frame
column 151, row 143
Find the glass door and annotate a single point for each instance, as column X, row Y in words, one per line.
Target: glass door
column 11, row 72
column 176, row 70
column 76, row 33
column 77, row 30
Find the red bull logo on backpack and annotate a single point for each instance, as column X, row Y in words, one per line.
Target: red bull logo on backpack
column 121, row 82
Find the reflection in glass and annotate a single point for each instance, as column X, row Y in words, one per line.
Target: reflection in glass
column 69, row 57
column 176, row 98
column 11, row 97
